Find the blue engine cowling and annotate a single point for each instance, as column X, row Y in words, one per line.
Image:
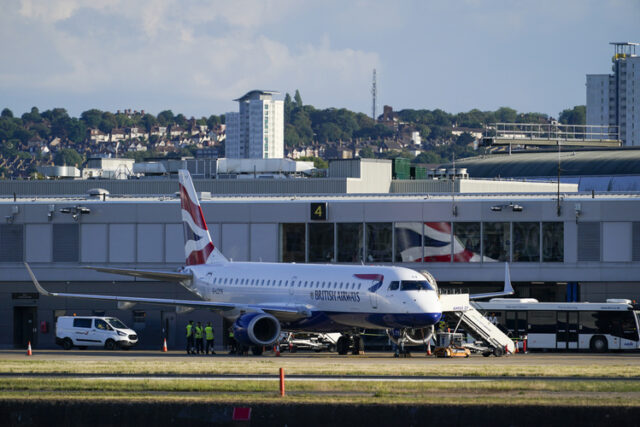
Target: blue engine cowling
column 256, row 329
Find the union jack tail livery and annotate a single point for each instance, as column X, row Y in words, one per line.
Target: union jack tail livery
column 198, row 247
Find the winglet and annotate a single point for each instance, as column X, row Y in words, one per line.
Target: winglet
column 508, row 289
column 40, row 289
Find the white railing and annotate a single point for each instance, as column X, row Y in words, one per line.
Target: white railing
column 551, row 131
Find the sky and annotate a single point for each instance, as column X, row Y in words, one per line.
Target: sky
column 195, row 57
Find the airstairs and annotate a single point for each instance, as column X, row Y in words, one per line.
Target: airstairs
column 458, row 307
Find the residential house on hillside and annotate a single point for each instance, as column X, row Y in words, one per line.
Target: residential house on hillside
column 117, row 135
column 136, row 132
column 159, row 131
column 176, row 131
column 96, row 136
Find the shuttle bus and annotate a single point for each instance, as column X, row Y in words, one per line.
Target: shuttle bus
column 599, row 327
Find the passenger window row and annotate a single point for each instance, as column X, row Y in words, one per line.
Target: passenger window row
column 285, row 283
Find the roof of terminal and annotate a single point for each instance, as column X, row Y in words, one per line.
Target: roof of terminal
column 270, row 198
column 601, row 162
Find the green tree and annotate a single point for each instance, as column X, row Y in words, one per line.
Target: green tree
column 7, row 113
column 91, row 118
column 329, row 132
column 213, row 121
column 9, row 148
column 464, row 139
column 60, row 123
column 291, row 136
column 108, row 122
column 288, row 108
column 165, row 117
column 181, row 120
column 318, row 163
column 33, row 116
column 574, row 116
column 77, row 131
column 148, row 121
column 67, row 156
column 302, row 123
column 298, row 99
column 429, row 157
column 506, row 115
column 367, row 153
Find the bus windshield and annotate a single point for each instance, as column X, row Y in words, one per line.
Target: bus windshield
column 415, row 285
column 116, row 323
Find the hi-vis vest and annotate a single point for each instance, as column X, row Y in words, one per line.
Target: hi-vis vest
column 208, row 330
column 198, row 332
column 189, row 330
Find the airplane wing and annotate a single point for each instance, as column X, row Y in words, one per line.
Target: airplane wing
column 508, row 289
column 280, row 312
column 168, row 276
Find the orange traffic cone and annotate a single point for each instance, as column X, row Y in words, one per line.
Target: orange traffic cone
column 429, row 349
column 277, row 349
column 29, row 352
column 164, row 346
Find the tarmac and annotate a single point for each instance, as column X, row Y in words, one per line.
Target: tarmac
column 551, row 358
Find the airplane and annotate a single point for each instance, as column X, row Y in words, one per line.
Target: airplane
column 262, row 299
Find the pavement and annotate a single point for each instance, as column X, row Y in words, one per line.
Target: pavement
column 561, row 359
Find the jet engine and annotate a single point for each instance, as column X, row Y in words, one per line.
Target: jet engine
column 256, row 329
column 417, row 336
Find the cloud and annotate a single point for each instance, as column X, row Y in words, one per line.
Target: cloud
column 170, row 48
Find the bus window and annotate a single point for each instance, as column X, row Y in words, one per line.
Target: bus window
column 542, row 322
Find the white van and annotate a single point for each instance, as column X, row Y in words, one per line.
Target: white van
column 107, row 332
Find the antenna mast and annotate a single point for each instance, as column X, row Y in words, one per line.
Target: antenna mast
column 374, row 92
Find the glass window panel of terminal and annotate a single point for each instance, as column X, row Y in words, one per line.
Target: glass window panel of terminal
column 466, row 242
column 552, row 242
column 379, row 244
column 408, row 242
column 66, row 243
column 11, row 242
column 350, row 242
column 496, row 238
column 526, row 242
column 321, row 248
column 437, row 242
column 292, row 242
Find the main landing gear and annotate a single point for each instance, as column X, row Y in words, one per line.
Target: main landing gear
column 353, row 343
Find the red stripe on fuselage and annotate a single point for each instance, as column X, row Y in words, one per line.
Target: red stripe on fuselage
column 194, row 210
column 377, row 277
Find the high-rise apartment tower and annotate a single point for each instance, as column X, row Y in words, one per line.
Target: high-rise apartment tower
column 257, row 130
column 614, row 99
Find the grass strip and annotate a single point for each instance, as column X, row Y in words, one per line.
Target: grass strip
column 346, row 367
column 612, row 393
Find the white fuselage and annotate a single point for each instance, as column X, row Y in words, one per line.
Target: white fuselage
column 332, row 296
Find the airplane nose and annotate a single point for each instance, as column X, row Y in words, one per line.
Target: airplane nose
column 434, row 317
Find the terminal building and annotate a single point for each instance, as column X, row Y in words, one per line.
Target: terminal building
column 562, row 244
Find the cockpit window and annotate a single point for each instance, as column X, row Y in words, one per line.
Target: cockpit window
column 393, row 286
column 415, row 285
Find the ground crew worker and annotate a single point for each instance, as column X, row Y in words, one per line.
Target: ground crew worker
column 208, row 332
column 199, row 338
column 232, row 342
column 190, row 342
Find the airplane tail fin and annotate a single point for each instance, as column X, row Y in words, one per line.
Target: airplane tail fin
column 198, row 247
